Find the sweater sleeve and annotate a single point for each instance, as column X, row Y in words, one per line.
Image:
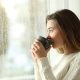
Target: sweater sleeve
column 45, row 69
column 46, row 73
column 36, row 71
column 74, row 71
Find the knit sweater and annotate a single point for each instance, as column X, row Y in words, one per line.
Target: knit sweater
column 68, row 68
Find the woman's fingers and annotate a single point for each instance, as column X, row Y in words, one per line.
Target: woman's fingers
column 38, row 50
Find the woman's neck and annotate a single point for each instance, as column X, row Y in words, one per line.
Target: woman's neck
column 69, row 50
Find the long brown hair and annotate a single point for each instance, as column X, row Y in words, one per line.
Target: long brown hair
column 69, row 24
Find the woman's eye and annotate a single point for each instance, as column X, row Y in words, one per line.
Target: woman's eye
column 50, row 30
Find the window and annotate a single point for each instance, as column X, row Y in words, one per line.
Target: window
column 21, row 23
column 25, row 23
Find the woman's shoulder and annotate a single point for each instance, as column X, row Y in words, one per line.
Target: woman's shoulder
column 77, row 55
column 76, row 60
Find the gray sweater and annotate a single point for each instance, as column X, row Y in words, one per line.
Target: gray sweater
column 67, row 69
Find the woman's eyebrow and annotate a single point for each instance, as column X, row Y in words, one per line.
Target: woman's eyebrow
column 51, row 27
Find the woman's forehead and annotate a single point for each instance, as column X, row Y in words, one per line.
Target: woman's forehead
column 52, row 23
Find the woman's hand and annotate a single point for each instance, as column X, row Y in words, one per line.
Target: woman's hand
column 38, row 51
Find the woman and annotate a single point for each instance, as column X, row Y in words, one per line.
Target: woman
column 64, row 29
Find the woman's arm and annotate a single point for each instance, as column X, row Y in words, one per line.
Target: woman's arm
column 46, row 73
column 45, row 69
column 38, row 52
column 36, row 71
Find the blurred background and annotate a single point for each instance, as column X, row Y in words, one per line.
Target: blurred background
column 21, row 21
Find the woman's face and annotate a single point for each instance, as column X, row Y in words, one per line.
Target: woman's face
column 55, row 33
